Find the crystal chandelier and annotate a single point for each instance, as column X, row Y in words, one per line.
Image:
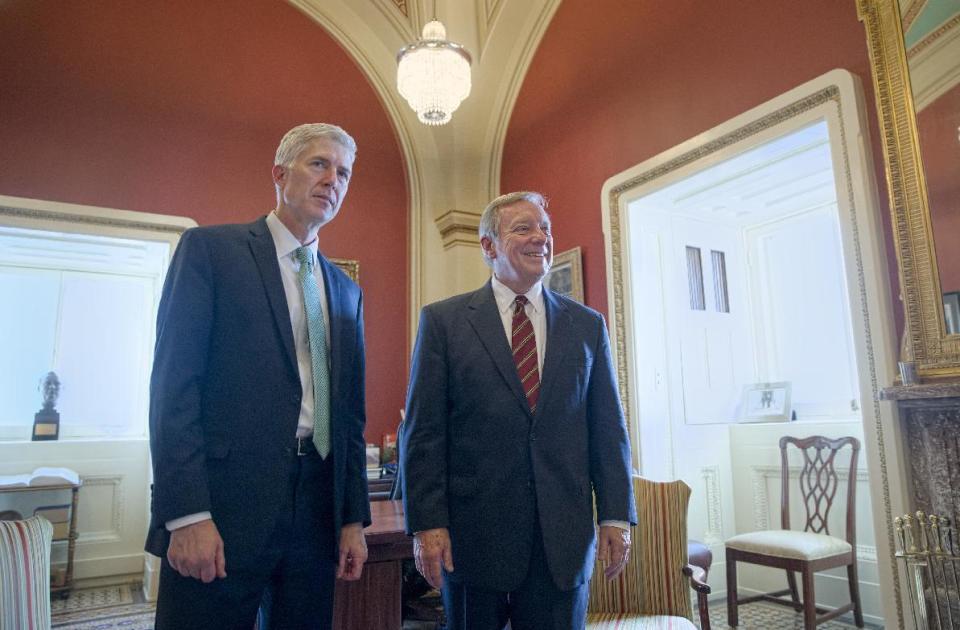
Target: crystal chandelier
column 433, row 75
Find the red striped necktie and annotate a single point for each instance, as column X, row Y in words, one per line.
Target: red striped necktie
column 524, row 345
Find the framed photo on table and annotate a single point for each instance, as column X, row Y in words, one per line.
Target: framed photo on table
column 566, row 275
column 766, row 402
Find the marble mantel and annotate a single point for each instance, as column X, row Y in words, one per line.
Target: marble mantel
column 930, row 421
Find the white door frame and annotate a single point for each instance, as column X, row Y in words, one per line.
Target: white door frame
column 836, row 97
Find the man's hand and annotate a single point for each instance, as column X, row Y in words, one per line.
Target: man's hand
column 197, row 551
column 613, row 549
column 430, row 548
column 353, row 552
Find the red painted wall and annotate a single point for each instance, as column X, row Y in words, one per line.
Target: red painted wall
column 616, row 82
column 177, row 107
column 938, row 125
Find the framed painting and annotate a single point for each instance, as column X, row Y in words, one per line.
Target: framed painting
column 566, row 275
column 349, row 267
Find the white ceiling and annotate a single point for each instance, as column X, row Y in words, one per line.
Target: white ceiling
column 785, row 176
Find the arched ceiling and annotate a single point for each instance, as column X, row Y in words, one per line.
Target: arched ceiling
column 500, row 35
column 453, row 170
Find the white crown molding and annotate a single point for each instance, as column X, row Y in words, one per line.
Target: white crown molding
column 935, row 63
column 70, row 216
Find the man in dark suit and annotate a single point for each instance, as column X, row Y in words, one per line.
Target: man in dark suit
column 513, row 427
column 257, row 410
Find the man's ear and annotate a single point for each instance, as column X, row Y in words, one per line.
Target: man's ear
column 278, row 172
column 486, row 244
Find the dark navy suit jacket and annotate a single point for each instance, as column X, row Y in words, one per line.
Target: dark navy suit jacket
column 475, row 460
column 225, row 392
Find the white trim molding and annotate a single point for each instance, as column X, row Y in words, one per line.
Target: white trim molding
column 837, row 98
column 711, row 480
column 116, row 510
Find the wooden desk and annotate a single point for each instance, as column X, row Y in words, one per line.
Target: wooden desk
column 380, row 488
column 374, row 600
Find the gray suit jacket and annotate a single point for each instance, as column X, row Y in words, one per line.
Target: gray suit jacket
column 475, row 460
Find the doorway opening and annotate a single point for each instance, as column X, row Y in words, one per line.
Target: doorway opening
column 744, row 269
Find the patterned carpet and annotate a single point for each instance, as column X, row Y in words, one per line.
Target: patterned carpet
column 122, row 608
column 767, row 616
column 135, row 617
column 103, row 608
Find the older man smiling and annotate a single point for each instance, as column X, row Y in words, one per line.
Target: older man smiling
column 514, row 425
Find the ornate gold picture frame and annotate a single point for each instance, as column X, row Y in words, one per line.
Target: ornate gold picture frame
column 349, row 267
column 925, row 341
column 566, row 275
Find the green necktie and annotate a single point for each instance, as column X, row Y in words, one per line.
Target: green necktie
column 316, row 331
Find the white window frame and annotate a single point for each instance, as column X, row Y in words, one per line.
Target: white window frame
column 54, row 216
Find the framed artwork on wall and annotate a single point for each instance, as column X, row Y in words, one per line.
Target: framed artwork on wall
column 566, row 275
column 349, row 267
column 765, row 402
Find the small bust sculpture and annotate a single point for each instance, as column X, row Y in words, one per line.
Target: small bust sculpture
column 50, row 388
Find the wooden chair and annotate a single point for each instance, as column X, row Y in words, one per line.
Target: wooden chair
column 652, row 591
column 810, row 549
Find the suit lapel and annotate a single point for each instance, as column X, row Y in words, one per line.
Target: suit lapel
column 265, row 255
column 484, row 316
column 559, row 335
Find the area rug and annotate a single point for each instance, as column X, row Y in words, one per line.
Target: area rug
column 89, row 598
column 103, row 608
column 767, row 616
column 122, row 608
column 130, row 617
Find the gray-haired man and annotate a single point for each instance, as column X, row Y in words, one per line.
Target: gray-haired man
column 257, row 409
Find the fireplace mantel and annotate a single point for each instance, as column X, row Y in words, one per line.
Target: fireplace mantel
column 929, row 420
column 907, row 394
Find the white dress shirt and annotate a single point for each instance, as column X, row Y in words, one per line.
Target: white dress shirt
column 286, row 245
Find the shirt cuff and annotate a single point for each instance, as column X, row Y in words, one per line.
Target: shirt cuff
column 620, row 524
column 189, row 519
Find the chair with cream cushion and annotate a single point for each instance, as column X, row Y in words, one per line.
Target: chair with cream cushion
column 652, row 592
column 25, row 573
column 811, row 549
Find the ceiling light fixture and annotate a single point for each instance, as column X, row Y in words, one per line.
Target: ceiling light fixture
column 433, row 74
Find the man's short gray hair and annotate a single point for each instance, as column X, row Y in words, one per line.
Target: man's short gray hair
column 296, row 140
column 490, row 219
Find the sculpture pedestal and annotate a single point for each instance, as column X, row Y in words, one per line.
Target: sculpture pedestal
column 46, row 425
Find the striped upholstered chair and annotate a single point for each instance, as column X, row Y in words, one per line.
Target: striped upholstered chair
column 25, row 574
column 652, row 592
